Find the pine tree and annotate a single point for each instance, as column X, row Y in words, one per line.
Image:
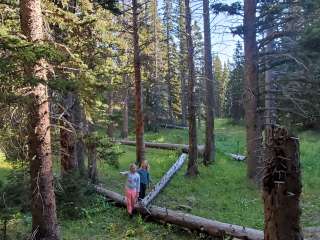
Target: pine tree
column 43, row 206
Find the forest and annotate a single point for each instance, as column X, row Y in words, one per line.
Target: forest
column 159, row 119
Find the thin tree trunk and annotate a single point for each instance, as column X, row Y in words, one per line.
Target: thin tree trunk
column 140, row 149
column 79, row 120
column 253, row 137
column 43, row 205
column 67, row 136
column 125, row 123
column 169, row 65
column 270, row 98
column 209, row 154
column 92, row 157
column 182, row 37
column 282, row 186
column 192, row 169
column 110, row 126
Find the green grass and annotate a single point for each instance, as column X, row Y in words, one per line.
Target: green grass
column 221, row 192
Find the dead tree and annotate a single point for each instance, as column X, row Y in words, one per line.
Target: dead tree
column 185, row 220
column 281, row 186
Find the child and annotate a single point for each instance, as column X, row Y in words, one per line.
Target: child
column 144, row 178
column 132, row 187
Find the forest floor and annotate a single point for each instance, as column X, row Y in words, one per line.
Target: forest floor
column 221, row 191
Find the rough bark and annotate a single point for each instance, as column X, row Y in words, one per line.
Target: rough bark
column 209, row 154
column 140, row 149
column 211, row 227
column 282, row 186
column 170, row 146
column 164, row 180
column 192, row 169
column 68, row 136
column 43, row 206
column 251, row 93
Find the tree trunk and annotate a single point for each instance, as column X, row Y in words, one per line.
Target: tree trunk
column 270, row 98
column 67, row 136
column 192, row 163
column 168, row 9
column 79, row 120
column 140, row 151
column 125, row 123
column 211, row 227
column 92, row 157
column 209, row 154
column 110, row 126
column 282, row 186
column 92, row 163
column 253, row 137
column 182, row 42
column 43, row 205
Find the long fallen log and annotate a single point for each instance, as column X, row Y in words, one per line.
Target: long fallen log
column 164, row 180
column 170, row 146
column 211, row 227
column 172, row 126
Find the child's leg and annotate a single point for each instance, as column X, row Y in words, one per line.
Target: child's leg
column 142, row 193
column 129, row 201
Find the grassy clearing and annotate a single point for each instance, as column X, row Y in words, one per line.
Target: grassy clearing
column 221, row 192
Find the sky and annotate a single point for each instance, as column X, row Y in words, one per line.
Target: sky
column 223, row 42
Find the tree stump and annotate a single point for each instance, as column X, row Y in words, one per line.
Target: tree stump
column 281, row 186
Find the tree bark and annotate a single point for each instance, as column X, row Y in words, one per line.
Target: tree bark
column 67, row 136
column 182, row 43
column 253, row 126
column 43, row 205
column 211, row 227
column 92, row 156
column 140, row 149
column 192, row 169
column 282, row 186
column 79, row 120
column 125, row 122
column 209, row 154
column 168, row 21
column 270, row 98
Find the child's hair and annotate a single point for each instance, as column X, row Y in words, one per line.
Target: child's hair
column 145, row 165
column 132, row 167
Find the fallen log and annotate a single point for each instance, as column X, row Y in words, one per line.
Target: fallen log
column 172, row 126
column 237, row 157
column 211, row 227
column 169, row 146
column 164, row 180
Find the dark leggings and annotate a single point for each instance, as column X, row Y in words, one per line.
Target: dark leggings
column 143, row 188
